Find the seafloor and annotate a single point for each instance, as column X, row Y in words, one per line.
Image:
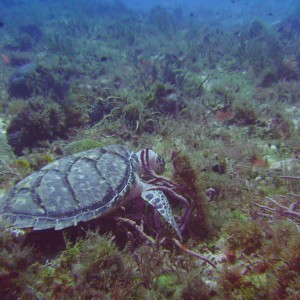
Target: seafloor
column 221, row 105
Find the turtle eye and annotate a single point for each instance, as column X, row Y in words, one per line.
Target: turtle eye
column 160, row 163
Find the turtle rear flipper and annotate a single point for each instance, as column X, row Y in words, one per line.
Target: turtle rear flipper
column 160, row 202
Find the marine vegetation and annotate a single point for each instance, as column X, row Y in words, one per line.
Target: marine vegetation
column 81, row 145
column 37, row 121
column 214, row 89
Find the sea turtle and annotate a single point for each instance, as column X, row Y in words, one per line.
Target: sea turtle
column 87, row 185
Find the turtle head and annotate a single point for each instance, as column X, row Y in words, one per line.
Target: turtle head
column 150, row 161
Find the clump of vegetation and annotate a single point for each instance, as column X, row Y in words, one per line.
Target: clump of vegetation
column 268, row 77
column 245, row 236
column 23, row 163
column 81, row 145
column 280, row 127
column 164, row 100
column 245, row 112
column 58, row 44
column 186, row 177
column 6, row 153
column 31, row 79
column 162, row 21
column 193, row 84
column 133, row 114
column 195, row 288
column 271, row 273
column 158, row 91
column 166, row 285
column 38, row 120
column 92, row 267
column 232, row 282
column 282, row 254
column 14, row 263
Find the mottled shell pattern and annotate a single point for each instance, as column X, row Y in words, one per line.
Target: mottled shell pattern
column 74, row 188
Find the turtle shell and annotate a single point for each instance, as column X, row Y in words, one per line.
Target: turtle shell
column 75, row 188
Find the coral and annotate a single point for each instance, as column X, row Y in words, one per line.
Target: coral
column 81, row 145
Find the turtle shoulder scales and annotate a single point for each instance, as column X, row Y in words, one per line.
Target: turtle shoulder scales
column 74, row 188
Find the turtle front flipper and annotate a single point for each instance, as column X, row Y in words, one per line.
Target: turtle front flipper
column 160, row 202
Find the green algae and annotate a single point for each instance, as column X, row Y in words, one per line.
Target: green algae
column 81, row 145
